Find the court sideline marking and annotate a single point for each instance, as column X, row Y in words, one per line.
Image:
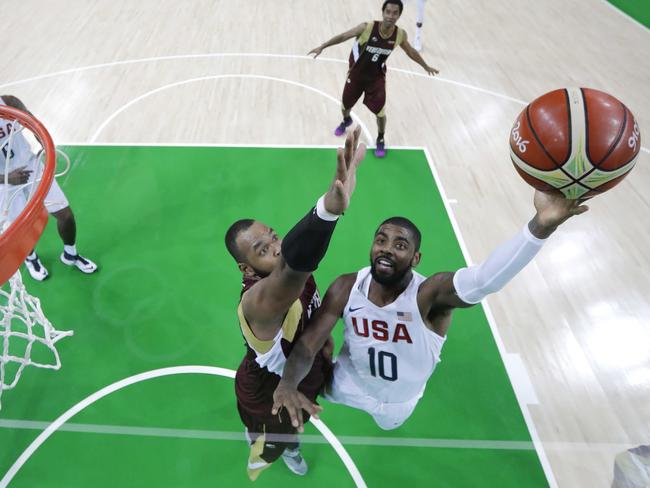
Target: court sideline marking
column 157, row 373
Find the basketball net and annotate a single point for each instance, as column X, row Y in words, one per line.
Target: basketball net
column 25, row 332
column 22, row 326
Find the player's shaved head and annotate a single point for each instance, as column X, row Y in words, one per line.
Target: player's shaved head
column 399, row 4
column 231, row 238
column 406, row 224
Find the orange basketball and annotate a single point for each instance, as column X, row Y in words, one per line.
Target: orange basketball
column 578, row 141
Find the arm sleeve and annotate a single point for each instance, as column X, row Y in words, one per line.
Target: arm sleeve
column 305, row 245
column 474, row 283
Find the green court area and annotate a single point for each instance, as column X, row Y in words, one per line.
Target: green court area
column 154, row 218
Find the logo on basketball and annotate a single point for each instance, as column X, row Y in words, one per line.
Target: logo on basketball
column 518, row 140
column 634, row 138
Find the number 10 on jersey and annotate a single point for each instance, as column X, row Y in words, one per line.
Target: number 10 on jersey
column 378, row 361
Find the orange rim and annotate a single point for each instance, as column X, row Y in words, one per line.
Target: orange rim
column 21, row 236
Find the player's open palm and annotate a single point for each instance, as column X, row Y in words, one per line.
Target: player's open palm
column 294, row 402
column 553, row 210
column 338, row 196
column 316, row 52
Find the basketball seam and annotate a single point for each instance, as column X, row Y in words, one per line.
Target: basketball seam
column 617, row 140
column 568, row 111
column 532, row 129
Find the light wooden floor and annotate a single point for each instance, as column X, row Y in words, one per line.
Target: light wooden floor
column 235, row 72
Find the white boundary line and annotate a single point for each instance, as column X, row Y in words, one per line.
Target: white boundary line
column 374, row 441
column 276, row 56
column 226, row 76
column 247, row 55
column 541, row 453
column 157, row 373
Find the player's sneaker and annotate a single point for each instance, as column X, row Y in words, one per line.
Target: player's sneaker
column 36, row 269
column 380, row 150
column 340, row 130
column 83, row 264
column 294, row 461
column 418, row 40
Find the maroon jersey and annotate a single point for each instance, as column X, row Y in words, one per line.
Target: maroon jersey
column 371, row 50
column 259, row 372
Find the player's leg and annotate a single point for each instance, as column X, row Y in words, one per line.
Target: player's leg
column 16, row 205
column 352, row 91
column 389, row 416
column 57, row 204
column 343, row 389
column 419, row 20
column 380, row 150
column 268, row 442
column 375, row 100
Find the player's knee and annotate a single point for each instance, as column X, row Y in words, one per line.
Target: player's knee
column 64, row 214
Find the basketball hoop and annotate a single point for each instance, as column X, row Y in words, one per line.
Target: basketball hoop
column 18, row 240
column 23, row 326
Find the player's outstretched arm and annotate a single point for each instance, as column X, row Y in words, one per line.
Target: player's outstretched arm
column 415, row 56
column 468, row 286
column 354, row 32
column 302, row 356
column 266, row 304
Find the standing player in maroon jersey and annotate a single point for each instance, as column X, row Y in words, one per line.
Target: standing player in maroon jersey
column 278, row 296
column 374, row 42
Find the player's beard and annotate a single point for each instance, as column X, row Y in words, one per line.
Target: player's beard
column 390, row 280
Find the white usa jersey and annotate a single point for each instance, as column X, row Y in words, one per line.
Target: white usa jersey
column 388, row 350
column 20, row 153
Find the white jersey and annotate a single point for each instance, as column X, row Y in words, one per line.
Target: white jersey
column 20, row 153
column 388, row 350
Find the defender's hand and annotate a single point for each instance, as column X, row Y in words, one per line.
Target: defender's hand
column 337, row 198
column 19, row 176
column 552, row 211
column 316, row 52
column 295, row 402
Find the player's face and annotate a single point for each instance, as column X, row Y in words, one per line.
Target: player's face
column 392, row 254
column 391, row 14
column 261, row 248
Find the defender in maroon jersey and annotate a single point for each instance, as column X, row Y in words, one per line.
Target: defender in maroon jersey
column 278, row 296
column 375, row 41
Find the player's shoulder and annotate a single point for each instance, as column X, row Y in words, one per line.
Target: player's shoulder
column 344, row 282
column 339, row 290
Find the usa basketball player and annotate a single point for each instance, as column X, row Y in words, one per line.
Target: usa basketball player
column 396, row 320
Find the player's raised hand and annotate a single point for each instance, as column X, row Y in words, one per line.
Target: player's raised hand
column 553, row 210
column 19, row 176
column 316, row 52
column 338, row 196
column 295, row 402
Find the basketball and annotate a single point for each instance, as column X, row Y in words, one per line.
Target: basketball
column 577, row 141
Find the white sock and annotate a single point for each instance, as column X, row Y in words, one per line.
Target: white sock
column 32, row 256
column 71, row 250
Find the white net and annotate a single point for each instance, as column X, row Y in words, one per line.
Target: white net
column 25, row 331
column 27, row 336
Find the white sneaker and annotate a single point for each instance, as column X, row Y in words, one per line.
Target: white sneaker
column 83, row 264
column 294, row 461
column 36, row 269
column 417, row 44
